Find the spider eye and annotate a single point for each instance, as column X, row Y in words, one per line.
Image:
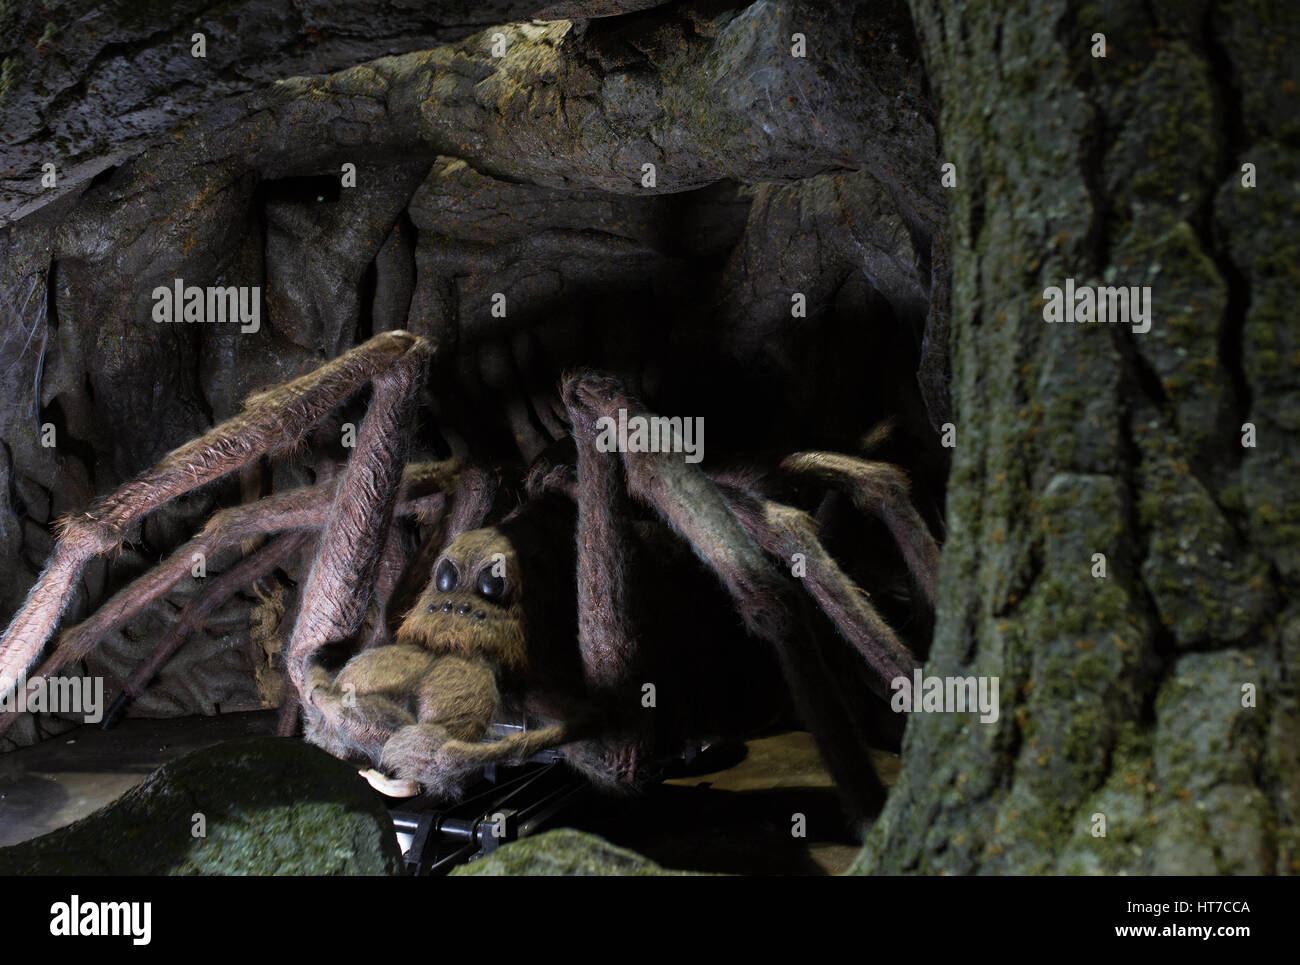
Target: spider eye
column 444, row 577
column 491, row 586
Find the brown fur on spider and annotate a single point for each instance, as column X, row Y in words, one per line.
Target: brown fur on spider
column 605, row 606
column 419, row 709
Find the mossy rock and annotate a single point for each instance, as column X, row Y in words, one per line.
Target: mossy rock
column 563, row 852
column 270, row 806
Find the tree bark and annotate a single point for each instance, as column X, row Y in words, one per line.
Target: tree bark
column 1124, row 699
column 85, row 85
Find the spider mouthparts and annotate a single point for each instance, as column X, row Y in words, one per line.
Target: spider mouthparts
column 390, row 786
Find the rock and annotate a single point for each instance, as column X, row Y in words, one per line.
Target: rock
column 101, row 82
column 587, row 9
column 564, row 852
column 269, row 806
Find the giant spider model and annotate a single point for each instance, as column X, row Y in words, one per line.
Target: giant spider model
column 649, row 659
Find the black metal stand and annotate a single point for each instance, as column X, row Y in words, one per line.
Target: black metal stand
column 508, row 804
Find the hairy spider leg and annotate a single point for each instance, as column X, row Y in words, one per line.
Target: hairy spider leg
column 340, row 583
column 270, row 420
column 609, row 647
column 304, row 509
column 300, row 509
column 783, row 532
column 196, row 612
column 881, row 490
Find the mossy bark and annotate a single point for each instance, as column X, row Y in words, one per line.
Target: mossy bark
column 1125, row 700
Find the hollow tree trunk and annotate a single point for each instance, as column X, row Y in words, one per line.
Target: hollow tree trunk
column 512, row 161
column 1126, row 701
column 87, row 84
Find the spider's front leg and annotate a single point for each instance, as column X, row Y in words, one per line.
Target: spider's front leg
column 611, row 653
column 445, row 744
column 341, row 580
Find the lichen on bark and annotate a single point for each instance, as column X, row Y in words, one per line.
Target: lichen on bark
column 1126, row 697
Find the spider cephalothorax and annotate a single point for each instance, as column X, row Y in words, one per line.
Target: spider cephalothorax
column 581, row 609
column 473, row 604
